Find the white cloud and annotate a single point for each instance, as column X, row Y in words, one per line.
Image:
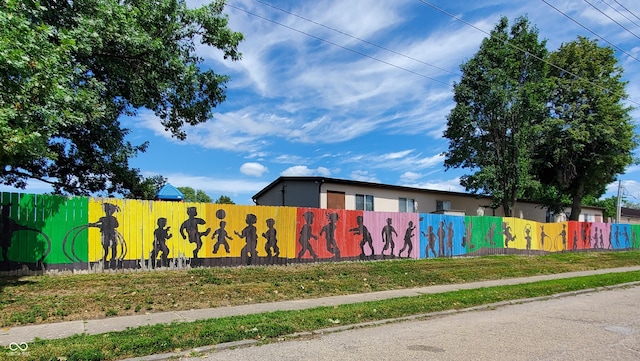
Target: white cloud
column 409, row 177
column 253, row 169
column 214, row 184
column 303, row 170
column 364, row 176
column 450, row 185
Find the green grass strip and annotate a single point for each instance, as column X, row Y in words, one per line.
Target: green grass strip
column 164, row 338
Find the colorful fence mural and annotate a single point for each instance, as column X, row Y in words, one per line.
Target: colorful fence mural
column 44, row 233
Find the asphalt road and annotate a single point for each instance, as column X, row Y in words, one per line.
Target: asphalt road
column 595, row 326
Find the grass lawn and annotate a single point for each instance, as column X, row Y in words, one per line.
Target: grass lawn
column 43, row 299
column 25, row 300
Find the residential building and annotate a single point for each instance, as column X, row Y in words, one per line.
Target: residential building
column 332, row 193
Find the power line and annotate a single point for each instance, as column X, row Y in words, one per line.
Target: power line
column 612, row 19
column 339, row 46
column 522, row 50
column 629, row 11
column 357, row 38
column 591, row 31
column 620, row 13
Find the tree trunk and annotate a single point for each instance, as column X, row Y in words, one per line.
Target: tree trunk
column 576, row 206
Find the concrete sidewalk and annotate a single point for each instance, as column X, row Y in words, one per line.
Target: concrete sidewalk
column 65, row 329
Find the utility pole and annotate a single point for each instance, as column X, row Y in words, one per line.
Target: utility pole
column 618, row 203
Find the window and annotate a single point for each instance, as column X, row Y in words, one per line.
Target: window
column 364, row 202
column 407, row 205
column 443, row 205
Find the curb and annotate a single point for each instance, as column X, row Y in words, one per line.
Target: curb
column 198, row 351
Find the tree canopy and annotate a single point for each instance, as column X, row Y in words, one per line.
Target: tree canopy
column 587, row 138
column 192, row 195
column 499, row 97
column 224, row 200
column 71, row 69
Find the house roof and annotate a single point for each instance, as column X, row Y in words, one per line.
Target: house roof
column 170, row 193
column 357, row 183
column 376, row 185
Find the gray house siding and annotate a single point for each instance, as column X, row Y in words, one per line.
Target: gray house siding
column 291, row 193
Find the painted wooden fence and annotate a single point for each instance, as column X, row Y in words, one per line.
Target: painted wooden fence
column 43, row 233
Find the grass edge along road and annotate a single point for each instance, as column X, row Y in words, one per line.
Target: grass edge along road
column 72, row 297
column 175, row 337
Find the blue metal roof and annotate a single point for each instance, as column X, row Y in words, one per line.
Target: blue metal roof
column 170, row 193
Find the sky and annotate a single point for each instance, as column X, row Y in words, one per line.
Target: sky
column 357, row 89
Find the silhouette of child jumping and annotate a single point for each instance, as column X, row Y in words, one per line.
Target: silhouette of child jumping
column 160, row 237
column 272, row 241
column 222, row 237
column 408, row 234
column 190, row 228
column 329, row 231
column 250, row 234
column 387, row 237
column 508, row 237
column 362, row 230
column 306, row 235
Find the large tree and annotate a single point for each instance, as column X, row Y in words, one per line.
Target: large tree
column 71, row 69
column 500, row 96
column 588, row 138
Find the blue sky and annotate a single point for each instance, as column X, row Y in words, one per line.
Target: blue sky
column 356, row 89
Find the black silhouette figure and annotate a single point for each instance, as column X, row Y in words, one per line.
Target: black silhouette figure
column 110, row 237
column 362, row 230
column 575, row 240
column 543, row 236
column 222, row 236
column 8, row 227
column 585, row 231
column 626, row 237
column 190, row 228
column 387, row 237
column 489, row 235
column 617, row 237
column 441, row 235
column 563, row 237
column 508, row 237
column 272, row 241
column 602, row 240
column 450, row 234
column 527, row 236
column 431, row 241
column 408, row 244
column 305, row 236
column 249, row 253
column 595, row 238
column 329, row 231
column 160, row 237
column 468, row 235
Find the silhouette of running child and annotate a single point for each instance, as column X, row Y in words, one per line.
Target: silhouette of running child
column 431, row 241
column 408, row 244
column 160, row 237
column 508, row 237
column 387, row 237
column 329, row 231
column 595, row 238
column 190, row 228
column 250, row 234
column 222, row 237
column 362, row 230
column 306, row 235
column 272, row 241
column 575, row 240
column 108, row 232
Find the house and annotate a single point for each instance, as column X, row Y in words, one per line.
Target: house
column 332, row 193
column 629, row 215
